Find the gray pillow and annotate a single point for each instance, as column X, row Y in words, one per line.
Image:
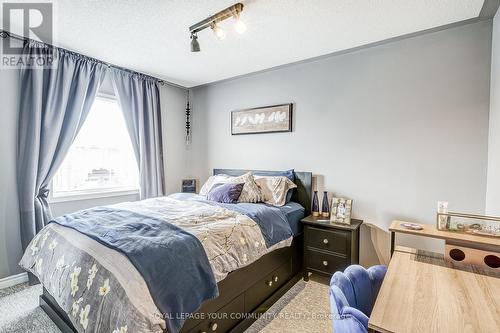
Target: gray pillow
column 225, row 193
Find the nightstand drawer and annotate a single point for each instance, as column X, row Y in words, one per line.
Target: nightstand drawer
column 324, row 262
column 327, row 240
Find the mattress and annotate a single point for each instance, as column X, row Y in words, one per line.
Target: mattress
column 294, row 212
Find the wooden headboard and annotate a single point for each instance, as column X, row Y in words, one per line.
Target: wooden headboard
column 303, row 180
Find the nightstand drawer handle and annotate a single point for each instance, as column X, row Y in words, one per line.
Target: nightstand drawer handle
column 325, row 241
column 325, row 263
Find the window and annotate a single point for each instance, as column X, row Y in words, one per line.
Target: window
column 101, row 161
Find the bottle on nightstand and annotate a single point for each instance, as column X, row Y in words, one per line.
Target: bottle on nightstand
column 325, row 206
column 315, row 205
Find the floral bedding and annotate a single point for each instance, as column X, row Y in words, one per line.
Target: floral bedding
column 101, row 290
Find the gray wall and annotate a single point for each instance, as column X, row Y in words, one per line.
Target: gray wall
column 173, row 104
column 173, row 128
column 396, row 127
column 493, row 190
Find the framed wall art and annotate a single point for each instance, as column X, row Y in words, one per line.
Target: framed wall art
column 267, row 119
column 341, row 210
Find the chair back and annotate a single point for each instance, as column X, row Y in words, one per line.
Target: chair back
column 352, row 295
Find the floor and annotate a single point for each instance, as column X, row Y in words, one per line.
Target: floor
column 304, row 308
column 19, row 311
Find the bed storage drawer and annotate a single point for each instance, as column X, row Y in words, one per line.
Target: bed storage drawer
column 224, row 319
column 267, row 286
column 326, row 262
column 328, row 240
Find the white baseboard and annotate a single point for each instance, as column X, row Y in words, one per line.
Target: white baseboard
column 12, row 280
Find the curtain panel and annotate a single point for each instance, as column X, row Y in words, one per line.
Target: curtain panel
column 139, row 99
column 53, row 106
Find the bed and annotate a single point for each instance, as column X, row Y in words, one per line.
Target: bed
column 242, row 293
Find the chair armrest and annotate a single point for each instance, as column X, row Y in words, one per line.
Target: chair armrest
column 377, row 274
column 350, row 312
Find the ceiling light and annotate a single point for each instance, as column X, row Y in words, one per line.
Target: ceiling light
column 212, row 22
column 218, row 31
column 239, row 25
column 195, row 46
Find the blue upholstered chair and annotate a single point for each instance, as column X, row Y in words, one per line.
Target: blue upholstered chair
column 352, row 295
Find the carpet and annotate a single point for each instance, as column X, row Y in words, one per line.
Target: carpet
column 304, row 308
column 19, row 311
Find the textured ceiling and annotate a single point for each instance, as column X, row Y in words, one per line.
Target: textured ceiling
column 152, row 36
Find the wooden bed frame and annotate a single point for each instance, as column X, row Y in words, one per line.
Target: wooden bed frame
column 244, row 294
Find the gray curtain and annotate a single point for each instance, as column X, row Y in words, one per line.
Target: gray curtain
column 53, row 106
column 139, row 99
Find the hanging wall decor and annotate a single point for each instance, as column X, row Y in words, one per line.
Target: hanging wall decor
column 188, row 122
column 268, row 119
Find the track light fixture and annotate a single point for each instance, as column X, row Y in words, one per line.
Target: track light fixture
column 212, row 22
column 218, row 31
column 239, row 25
column 195, row 46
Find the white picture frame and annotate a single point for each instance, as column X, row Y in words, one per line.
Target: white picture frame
column 341, row 210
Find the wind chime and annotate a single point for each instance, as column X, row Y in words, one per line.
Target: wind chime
column 188, row 122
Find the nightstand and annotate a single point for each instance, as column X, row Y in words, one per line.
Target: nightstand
column 329, row 247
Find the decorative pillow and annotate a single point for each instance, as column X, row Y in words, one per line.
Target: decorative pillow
column 251, row 192
column 225, row 193
column 290, row 174
column 211, row 181
column 274, row 189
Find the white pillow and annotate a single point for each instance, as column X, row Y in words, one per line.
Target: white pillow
column 274, row 189
column 211, row 181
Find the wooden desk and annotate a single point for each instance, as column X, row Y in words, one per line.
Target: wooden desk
column 423, row 293
column 449, row 236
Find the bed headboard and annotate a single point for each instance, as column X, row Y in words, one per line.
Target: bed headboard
column 303, row 180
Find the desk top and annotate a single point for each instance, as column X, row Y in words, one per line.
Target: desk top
column 423, row 293
column 431, row 231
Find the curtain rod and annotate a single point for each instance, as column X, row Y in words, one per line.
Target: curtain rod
column 5, row 34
